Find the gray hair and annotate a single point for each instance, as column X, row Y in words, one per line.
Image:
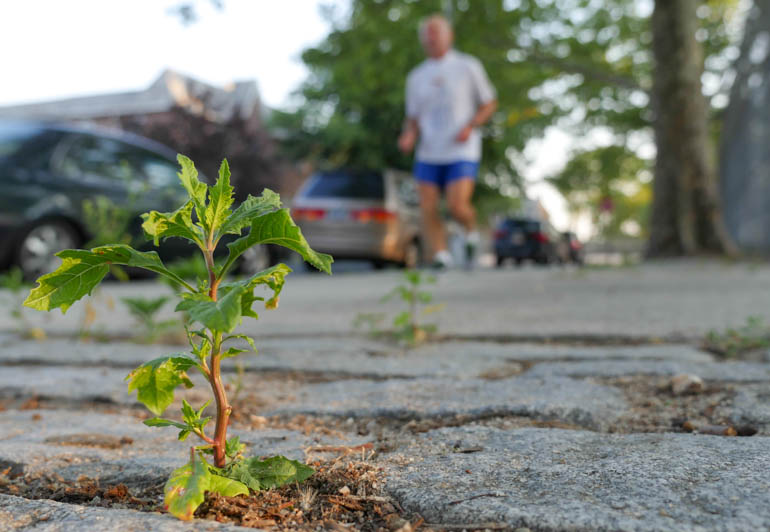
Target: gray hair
column 430, row 18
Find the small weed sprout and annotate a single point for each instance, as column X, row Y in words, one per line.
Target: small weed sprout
column 217, row 307
column 406, row 324
column 13, row 281
column 734, row 342
column 144, row 311
column 107, row 223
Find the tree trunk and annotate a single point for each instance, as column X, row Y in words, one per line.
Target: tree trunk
column 686, row 212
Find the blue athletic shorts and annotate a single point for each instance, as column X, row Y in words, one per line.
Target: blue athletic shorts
column 443, row 174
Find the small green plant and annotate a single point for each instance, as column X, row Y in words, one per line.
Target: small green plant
column 752, row 336
column 144, row 311
column 13, row 281
column 406, row 324
column 217, row 306
column 107, row 223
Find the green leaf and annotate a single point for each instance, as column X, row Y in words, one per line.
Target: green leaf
column 184, row 429
column 160, row 422
column 278, row 228
column 226, row 486
column 221, row 315
column 78, row 274
column 240, row 471
column 186, row 488
column 248, row 339
column 247, row 211
column 233, row 446
column 162, row 225
column 277, row 471
column 195, row 188
column 402, row 319
column 193, row 417
column 233, row 352
column 155, row 381
column 220, row 199
column 144, row 307
column 273, row 277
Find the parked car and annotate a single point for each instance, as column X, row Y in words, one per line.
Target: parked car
column 573, row 248
column 47, row 171
column 368, row 215
column 523, row 239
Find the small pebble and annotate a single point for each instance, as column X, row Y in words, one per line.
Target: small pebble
column 686, row 384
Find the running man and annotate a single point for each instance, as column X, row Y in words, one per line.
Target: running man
column 448, row 96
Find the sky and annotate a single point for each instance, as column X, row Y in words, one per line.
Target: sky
column 63, row 48
column 75, row 47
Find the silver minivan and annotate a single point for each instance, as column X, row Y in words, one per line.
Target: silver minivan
column 352, row 214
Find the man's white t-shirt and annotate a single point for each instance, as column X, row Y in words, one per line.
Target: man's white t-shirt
column 443, row 95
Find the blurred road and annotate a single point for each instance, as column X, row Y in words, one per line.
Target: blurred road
column 668, row 299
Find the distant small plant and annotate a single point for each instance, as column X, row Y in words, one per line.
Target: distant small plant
column 144, row 311
column 733, row 342
column 407, row 324
column 13, row 281
column 217, row 306
column 107, row 223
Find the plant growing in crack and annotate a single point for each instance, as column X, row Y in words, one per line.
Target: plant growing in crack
column 13, row 281
column 217, row 306
column 144, row 310
column 407, row 324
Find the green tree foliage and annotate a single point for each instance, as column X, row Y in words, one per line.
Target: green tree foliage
column 612, row 185
column 578, row 64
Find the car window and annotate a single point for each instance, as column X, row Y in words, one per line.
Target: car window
column 527, row 226
column 12, row 138
column 346, row 184
column 26, row 146
column 95, row 157
column 159, row 172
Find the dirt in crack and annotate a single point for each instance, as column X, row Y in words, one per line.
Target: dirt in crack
column 84, row 490
column 655, row 408
column 345, row 493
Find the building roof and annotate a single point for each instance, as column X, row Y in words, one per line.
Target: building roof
column 170, row 90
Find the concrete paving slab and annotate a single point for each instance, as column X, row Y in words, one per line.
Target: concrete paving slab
column 67, row 383
column 17, row 513
column 551, row 398
column 714, row 371
column 752, row 407
column 556, row 480
column 353, row 356
column 658, row 299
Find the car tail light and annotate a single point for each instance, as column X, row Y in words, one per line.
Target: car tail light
column 378, row 215
column 310, row 215
column 498, row 234
column 541, row 237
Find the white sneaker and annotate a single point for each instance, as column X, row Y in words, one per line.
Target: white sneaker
column 442, row 260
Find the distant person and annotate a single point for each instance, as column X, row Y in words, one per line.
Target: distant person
column 448, row 96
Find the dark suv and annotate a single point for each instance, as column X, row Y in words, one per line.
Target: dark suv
column 525, row 239
column 47, row 171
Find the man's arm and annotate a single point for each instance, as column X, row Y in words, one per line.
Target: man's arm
column 481, row 117
column 408, row 137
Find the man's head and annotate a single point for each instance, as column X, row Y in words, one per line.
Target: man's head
column 436, row 36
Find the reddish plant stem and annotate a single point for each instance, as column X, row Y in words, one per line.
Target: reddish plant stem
column 223, row 407
column 213, row 281
column 215, row 375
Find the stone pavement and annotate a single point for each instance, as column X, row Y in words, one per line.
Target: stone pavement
column 490, row 428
